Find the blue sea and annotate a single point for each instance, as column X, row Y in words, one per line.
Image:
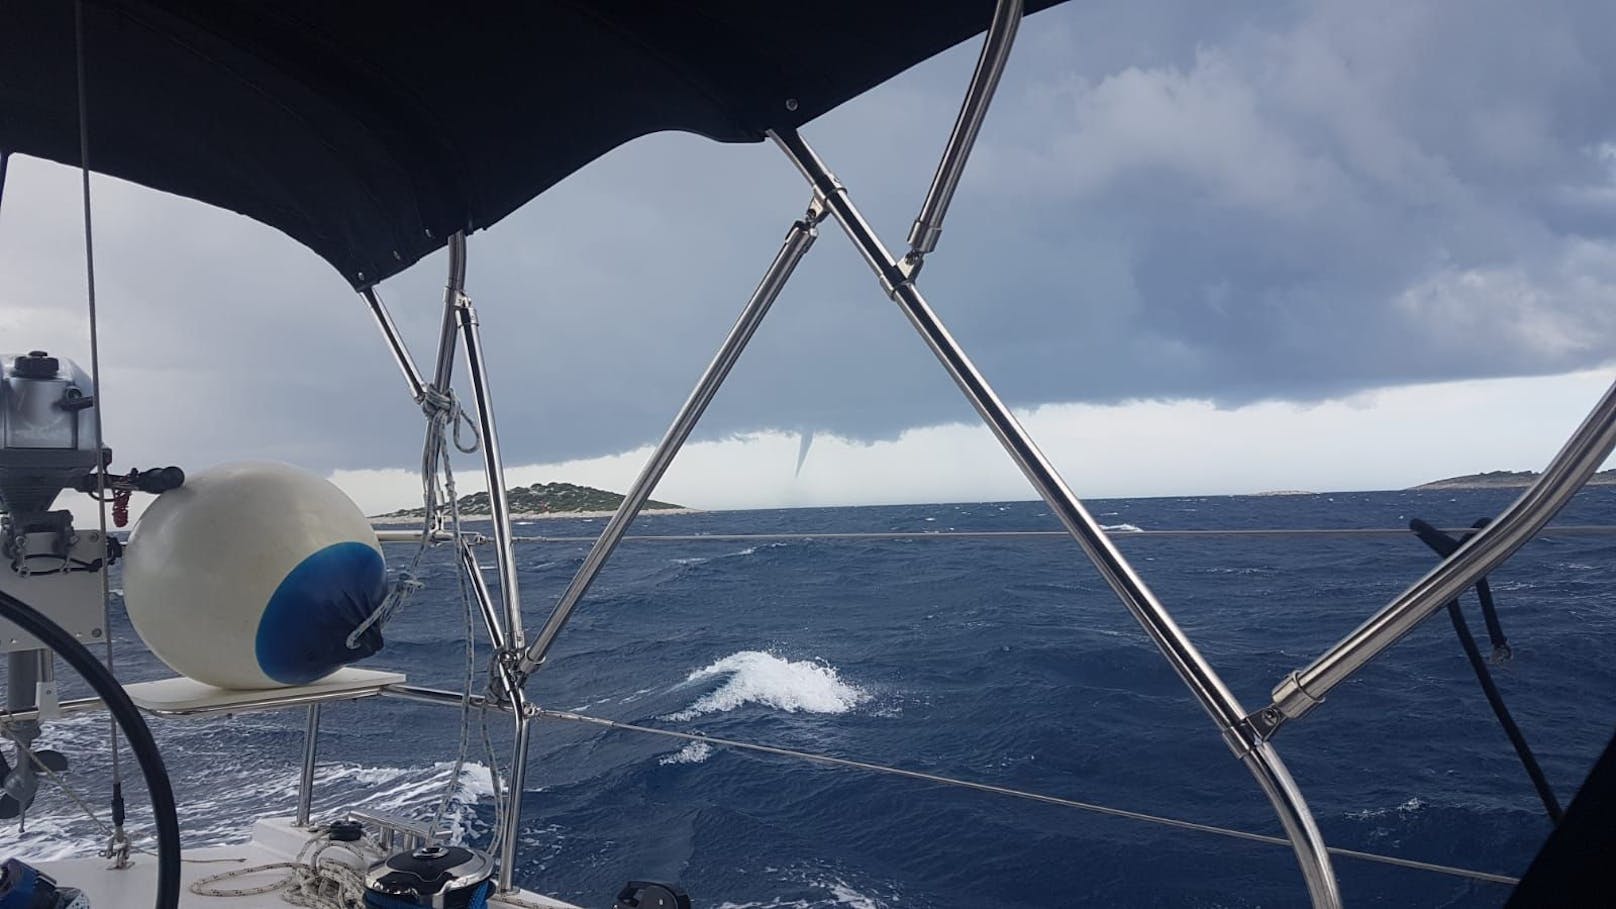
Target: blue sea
column 1000, row 661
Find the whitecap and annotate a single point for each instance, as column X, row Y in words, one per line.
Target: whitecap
column 757, row 677
column 1121, row 528
column 1411, row 806
column 692, row 753
column 838, row 893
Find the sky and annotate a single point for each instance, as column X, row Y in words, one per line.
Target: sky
column 1201, row 248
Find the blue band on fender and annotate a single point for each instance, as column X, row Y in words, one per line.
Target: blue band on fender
column 302, row 635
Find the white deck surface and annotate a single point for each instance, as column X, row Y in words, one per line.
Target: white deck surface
column 183, row 697
column 274, row 840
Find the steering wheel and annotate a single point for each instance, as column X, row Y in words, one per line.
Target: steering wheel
column 134, row 729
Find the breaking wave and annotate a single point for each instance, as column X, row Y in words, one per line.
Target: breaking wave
column 758, row 677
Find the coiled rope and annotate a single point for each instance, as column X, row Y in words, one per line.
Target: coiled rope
column 311, row 880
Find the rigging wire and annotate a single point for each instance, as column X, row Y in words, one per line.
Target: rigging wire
column 1568, row 529
column 1058, row 801
column 118, row 848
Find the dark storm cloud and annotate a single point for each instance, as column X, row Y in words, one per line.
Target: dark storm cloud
column 1169, row 200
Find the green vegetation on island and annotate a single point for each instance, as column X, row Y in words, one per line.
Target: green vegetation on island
column 543, row 498
column 1508, row 479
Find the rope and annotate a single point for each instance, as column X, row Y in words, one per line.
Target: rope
column 471, row 665
column 1023, row 794
column 495, row 777
column 444, row 418
column 1444, row 545
column 311, row 880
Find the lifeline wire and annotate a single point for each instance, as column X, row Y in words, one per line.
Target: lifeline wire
column 119, row 840
column 1022, row 794
column 1569, row 529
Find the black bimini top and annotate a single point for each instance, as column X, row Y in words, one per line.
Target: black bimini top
column 370, row 131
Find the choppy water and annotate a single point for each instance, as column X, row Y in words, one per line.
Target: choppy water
column 1006, row 662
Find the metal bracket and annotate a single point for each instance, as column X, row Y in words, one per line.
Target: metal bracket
column 1264, row 723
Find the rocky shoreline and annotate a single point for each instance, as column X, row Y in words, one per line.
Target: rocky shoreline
column 395, row 520
column 1506, row 479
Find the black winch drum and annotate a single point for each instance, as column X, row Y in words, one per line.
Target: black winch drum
column 441, row 877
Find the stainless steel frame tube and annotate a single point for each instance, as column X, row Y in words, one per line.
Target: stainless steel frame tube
column 479, row 589
column 395, row 343
column 453, row 290
column 1001, row 35
column 494, row 469
column 1181, row 654
column 305, row 784
column 513, row 804
column 799, row 239
column 437, row 697
column 1587, row 448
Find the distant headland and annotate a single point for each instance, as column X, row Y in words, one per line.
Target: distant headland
column 541, row 500
column 1507, row 479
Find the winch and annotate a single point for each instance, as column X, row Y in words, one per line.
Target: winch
column 442, row 877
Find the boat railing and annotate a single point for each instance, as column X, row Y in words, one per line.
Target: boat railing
column 1247, row 734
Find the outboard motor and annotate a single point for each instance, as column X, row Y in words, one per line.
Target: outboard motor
column 442, row 877
column 47, row 445
column 47, row 430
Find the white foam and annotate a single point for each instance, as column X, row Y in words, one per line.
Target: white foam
column 692, row 753
column 756, row 677
column 839, row 893
column 1411, row 806
column 1122, row 528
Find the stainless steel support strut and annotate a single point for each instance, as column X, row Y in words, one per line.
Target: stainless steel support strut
column 799, row 239
column 504, row 625
column 928, row 226
column 1587, row 448
column 499, row 509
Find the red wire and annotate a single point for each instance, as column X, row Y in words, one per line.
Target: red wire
column 120, row 504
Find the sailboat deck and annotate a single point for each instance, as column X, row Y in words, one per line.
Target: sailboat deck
column 274, row 840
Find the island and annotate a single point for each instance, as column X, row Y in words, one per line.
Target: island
column 1507, row 479
column 541, row 500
